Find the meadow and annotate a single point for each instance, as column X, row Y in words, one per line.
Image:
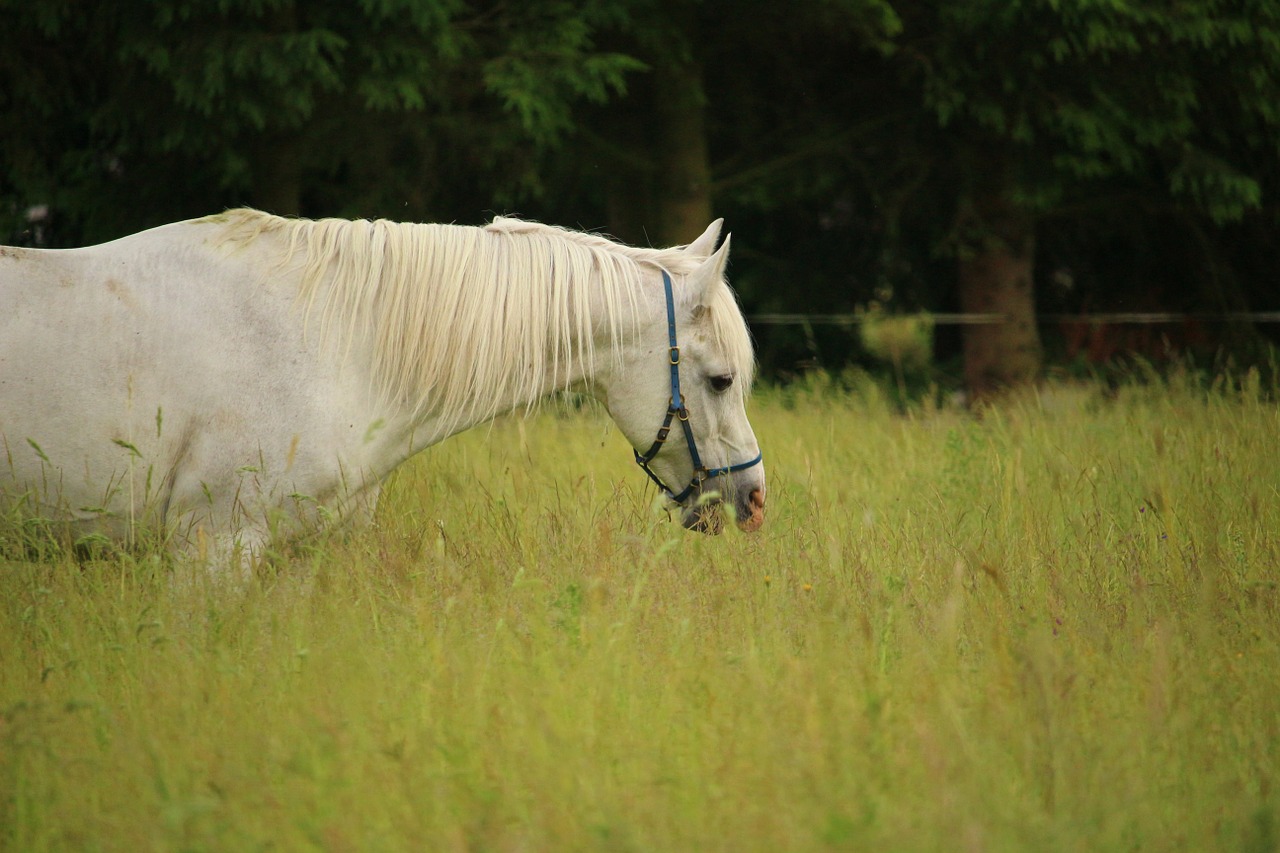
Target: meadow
column 1051, row 626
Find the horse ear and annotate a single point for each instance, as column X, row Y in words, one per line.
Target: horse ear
column 709, row 274
column 706, row 244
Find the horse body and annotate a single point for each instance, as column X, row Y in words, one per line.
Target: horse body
column 159, row 376
column 220, row 377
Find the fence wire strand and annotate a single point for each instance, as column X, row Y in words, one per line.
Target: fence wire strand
column 1119, row 318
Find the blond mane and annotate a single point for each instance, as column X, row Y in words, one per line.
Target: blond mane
column 467, row 322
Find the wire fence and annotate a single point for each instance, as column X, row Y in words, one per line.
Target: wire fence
column 1111, row 319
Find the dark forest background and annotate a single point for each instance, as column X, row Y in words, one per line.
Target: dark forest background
column 1039, row 161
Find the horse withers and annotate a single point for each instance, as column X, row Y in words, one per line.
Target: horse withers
column 212, row 377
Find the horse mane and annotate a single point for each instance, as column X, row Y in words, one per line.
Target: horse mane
column 466, row 322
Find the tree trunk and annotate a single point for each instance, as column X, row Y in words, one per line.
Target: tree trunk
column 996, row 274
column 684, row 174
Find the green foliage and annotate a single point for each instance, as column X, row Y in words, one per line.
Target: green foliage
column 1086, row 91
column 548, row 65
column 254, row 98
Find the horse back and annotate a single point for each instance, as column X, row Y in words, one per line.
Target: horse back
column 120, row 362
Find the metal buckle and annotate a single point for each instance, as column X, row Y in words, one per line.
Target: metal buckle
column 673, row 354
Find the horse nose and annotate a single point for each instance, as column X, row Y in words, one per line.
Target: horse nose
column 754, row 517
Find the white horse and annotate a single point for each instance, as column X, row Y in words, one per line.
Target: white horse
column 235, row 377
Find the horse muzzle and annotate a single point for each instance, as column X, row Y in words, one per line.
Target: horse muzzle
column 706, row 515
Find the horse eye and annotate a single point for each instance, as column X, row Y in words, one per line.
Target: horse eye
column 720, row 383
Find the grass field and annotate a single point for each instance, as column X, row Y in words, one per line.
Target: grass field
column 1055, row 627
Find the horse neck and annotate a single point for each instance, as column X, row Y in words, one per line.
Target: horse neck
column 620, row 318
column 565, row 352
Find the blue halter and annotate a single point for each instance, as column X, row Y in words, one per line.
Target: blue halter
column 676, row 409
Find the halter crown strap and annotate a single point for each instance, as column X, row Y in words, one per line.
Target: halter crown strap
column 676, row 410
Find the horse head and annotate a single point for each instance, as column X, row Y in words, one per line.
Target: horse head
column 680, row 390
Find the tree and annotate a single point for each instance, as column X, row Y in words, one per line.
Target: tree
column 1039, row 104
column 170, row 107
column 904, row 151
column 686, row 136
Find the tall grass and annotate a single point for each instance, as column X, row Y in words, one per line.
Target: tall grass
column 1054, row 626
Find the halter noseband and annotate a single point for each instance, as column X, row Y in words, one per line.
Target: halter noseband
column 676, row 409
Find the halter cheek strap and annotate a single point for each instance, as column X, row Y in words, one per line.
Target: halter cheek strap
column 677, row 411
